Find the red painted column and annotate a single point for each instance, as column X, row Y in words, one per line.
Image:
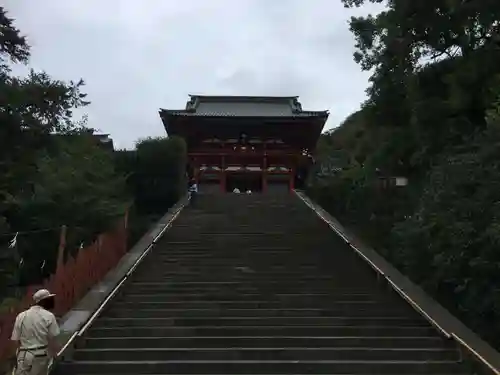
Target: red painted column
column 196, row 171
column 223, row 174
column 292, row 178
column 264, row 174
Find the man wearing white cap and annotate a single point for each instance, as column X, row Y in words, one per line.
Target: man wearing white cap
column 34, row 334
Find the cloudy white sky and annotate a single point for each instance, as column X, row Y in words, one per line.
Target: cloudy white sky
column 138, row 56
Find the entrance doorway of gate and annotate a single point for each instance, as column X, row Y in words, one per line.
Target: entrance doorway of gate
column 244, row 181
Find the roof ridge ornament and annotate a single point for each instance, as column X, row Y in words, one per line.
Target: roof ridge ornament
column 296, row 106
column 192, row 103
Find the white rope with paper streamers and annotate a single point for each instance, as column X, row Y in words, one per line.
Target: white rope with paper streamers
column 13, row 242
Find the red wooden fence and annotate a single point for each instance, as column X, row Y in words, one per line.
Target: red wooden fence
column 72, row 278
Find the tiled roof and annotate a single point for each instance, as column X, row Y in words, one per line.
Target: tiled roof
column 244, row 106
column 234, row 114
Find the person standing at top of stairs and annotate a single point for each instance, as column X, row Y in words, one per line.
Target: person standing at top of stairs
column 193, row 191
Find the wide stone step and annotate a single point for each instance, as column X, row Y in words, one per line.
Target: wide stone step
column 243, row 231
column 255, row 303
column 317, row 242
column 223, row 211
column 261, row 261
column 390, row 367
column 270, row 233
column 219, row 222
column 215, row 264
column 140, row 287
column 274, row 253
column 256, row 263
column 188, row 321
column 227, row 259
column 222, row 312
column 247, row 278
column 258, row 272
column 187, row 246
column 239, row 274
column 175, row 278
column 259, row 264
column 420, row 342
column 266, row 354
column 274, row 256
column 216, row 229
column 344, row 306
column 245, row 273
column 251, row 277
column 248, row 294
column 259, row 330
column 257, row 300
column 376, row 311
column 163, row 286
column 253, row 227
column 332, row 308
column 225, row 254
column 225, row 244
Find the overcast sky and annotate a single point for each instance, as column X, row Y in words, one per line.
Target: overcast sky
column 137, row 56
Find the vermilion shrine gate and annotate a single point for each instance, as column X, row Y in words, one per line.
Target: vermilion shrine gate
column 246, row 142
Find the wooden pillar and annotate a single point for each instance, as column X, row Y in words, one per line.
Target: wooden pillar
column 264, row 174
column 292, row 178
column 61, row 249
column 195, row 170
column 222, row 174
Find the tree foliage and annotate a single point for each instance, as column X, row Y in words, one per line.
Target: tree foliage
column 155, row 171
column 450, row 243
column 155, row 174
column 161, row 168
column 433, row 116
column 76, row 185
column 52, row 172
column 12, row 44
column 409, row 35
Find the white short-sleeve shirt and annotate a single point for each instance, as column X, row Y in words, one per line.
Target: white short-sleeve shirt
column 34, row 327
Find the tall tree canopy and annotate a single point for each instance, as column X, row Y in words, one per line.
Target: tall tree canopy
column 410, row 35
column 31, row 109
column 52, row 171
column 156, row 171
column 432, row 115
column 155, row 174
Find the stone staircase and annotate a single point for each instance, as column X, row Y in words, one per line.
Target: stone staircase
column 258, row 285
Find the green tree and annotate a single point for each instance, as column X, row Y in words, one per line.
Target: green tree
column 159, row 177
column 12, row 44
column 51, row 172
column 155, row 175
column 458, row 38
column 31, row 109
column 77, row 186
column 450, row 243
column 429, row 117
